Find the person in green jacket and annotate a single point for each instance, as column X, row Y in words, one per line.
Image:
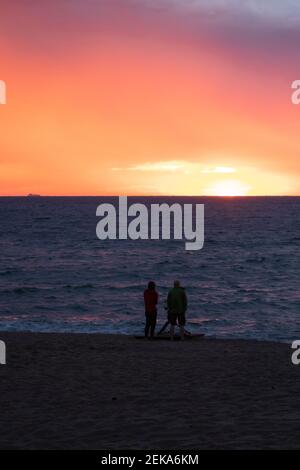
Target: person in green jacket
column 177, row 305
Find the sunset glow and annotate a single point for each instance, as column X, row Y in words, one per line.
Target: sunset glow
column 159, row 98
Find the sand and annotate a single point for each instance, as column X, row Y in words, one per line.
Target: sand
column 67, row 391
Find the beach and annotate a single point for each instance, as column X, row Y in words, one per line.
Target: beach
column 95, row 391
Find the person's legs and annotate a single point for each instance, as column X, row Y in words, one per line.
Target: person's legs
column 153, row 324
column 181, row 321
column 172, row 331
column 148, row 324
column 172, row 318
column 182, row 333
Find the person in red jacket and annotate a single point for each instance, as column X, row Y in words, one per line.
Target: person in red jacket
column 150, row 300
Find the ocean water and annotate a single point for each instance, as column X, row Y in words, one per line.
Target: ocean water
column 55, row 275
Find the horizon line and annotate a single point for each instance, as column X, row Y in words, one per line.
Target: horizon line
column 37, row 196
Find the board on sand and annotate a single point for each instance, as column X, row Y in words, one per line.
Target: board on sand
column 187, row 336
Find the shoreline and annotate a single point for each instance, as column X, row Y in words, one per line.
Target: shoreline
column 139, row 334
column 99, row 391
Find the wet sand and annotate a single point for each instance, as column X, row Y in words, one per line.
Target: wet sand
column 67, row 391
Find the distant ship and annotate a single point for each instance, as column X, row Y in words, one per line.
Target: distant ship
column 33, row 195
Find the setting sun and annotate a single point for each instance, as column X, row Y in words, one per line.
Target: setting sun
column 228, row 188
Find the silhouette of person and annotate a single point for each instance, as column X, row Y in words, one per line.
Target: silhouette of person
column 150, row 300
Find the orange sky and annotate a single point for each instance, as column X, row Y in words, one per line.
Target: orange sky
column 133, row 99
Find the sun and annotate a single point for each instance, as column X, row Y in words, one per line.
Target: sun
column 228, row 188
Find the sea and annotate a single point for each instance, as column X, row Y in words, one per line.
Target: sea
column 57, row 276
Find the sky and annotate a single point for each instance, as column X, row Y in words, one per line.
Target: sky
column 149, row 97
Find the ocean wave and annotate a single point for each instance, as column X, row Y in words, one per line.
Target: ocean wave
column 260, row 259
column 19, row 290
column 79, row 286
column 6, row 272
